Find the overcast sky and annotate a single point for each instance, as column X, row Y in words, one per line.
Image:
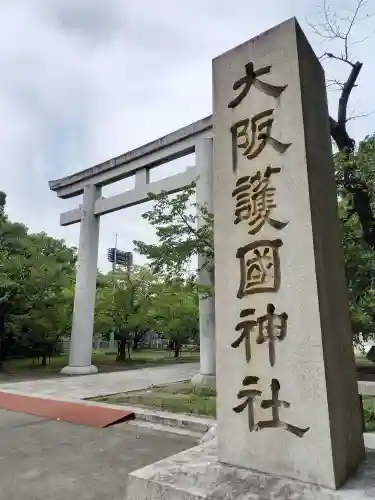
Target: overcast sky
column 86, row 80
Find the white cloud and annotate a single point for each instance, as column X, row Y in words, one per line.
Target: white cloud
column 83, row 81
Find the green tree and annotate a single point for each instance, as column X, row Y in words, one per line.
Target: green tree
column 359, row 256
column 180, row 237
column 36, row 275
column 123, row 302
column 175, row 313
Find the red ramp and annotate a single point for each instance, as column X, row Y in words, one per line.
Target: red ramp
column 75, row 413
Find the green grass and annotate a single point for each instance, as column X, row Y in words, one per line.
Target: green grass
column 180, row 397
column 24, row 368
column 368, row 410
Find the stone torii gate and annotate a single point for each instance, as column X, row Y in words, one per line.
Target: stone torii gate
column 195, row 138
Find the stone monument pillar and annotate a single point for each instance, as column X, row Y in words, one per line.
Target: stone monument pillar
column 287, row 393
column 289, row 420
column 80, row 351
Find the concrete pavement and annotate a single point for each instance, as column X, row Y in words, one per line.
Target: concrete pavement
column 50, row 460
column 88, row 386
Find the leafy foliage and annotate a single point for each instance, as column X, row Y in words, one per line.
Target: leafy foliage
column 36, row 286
column 133, row 304
column 175, row 313
column 359, row 257
column 184, row 230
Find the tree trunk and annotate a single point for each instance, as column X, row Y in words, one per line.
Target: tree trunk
column 121, row 353
column 177, row 349
column 137, row 339
column 129, row 349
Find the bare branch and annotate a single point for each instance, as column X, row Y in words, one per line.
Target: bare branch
column 360, row 4
column 361, row 115
column 339, row 58
column 330, row 29
column 336, row 84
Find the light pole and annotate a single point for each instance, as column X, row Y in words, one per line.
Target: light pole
column 122, row 258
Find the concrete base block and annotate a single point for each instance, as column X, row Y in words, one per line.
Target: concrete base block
column 210, row 436
column 196, row 474
column 204, row 380
column 79, row 370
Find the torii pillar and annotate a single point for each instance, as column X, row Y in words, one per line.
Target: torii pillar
column 80, row 352
column 204, row 191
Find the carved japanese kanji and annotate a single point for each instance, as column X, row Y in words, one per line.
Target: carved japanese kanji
column 249, row 395
column 254, row 141
column 255, row 200
column 259, row 267
column 275, row 404
column 250, row 79
column 270, row 327
column 247, row 327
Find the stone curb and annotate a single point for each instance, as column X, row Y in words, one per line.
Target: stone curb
column 181, row 420
column 188, row 422
column 195, row 424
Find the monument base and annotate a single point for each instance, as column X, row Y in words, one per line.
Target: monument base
column 196, row 474
column 202, row 380
column 79, row 370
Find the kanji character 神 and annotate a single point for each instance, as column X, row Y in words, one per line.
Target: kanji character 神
column 271, row 327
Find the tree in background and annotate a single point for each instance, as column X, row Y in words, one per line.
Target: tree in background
column 359, row 256
column 123, row 305
column 180, row 239
column 36, row 283
column 133, row 305
column 175, row 221
column 175, row 313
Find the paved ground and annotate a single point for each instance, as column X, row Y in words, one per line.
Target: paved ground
column 89, row 386
column 50, row 460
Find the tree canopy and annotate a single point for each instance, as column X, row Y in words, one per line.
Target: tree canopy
column 36, row 286
column 133, row 304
